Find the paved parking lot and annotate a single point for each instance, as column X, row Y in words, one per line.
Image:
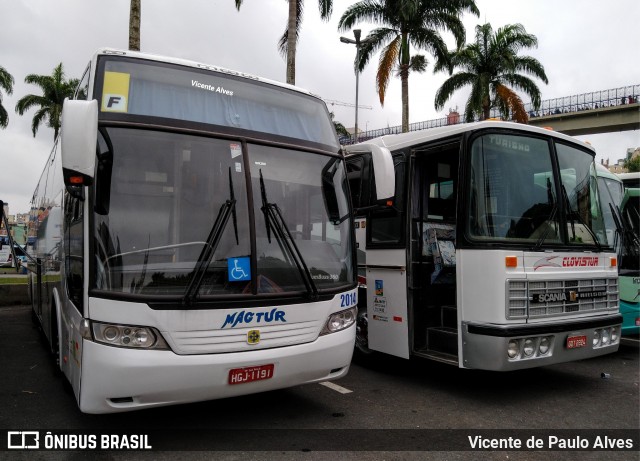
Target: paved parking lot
column 391, row 409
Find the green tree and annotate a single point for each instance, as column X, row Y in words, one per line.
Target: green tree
column 406, row 25
column 135, row 13
column 340, row 129
column 632, row 164
column 288, row 43
column 6, row 84
column 494, row 70
column 55, row 88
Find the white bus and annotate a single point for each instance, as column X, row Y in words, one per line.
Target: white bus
column 195, row 238
column 493, row 253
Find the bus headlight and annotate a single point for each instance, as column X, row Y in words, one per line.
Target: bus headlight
column 128, row 336
column 339, row 321
column 529, row 347
column 614, row 335
column 545, row 344
column 596, row 338
column 606, row 336
column 513, row 348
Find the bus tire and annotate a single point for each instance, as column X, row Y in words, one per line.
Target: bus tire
column 362, row 353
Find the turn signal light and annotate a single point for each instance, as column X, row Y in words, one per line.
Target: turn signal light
column 511, row 261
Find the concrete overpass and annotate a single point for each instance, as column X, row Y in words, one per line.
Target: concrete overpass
column 592, row 121
column 605, row 111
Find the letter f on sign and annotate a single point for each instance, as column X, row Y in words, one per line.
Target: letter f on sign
column 113, row 100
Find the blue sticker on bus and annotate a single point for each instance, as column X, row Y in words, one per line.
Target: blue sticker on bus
column 379, row 288
column 239, row 269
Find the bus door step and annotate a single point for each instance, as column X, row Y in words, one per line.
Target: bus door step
column 442, row 339
column 449, row 317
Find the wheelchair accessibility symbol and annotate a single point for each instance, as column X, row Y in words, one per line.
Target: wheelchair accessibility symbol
column 239, row 269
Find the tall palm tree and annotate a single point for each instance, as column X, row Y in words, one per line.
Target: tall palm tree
column 406, row 24
column 493, row 69
column 55, row 88
column 135, row 13
column 288, row 42
column 6, row 84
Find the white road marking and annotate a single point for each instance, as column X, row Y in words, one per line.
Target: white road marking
column 335, row 387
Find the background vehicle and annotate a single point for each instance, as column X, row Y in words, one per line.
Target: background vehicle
column 493, row 253
column 630, row 180
column 621, row 208
column 6, row 256
column 194, row 236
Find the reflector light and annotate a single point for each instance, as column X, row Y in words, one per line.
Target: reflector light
column 389, row 202
column 614, row 261
column 76, row 179
column 511, row 261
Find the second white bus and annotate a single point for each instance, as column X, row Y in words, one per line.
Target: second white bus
column 493, row 253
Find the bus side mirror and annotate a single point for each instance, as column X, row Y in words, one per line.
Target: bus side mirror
column 384, row 173
column 79, row 135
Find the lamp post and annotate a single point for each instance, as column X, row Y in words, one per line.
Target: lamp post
column 357, row 43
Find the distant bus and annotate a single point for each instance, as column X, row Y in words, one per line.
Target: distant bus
column 194, row 236
column 621, row 210
column 631, row 180
column 493, row 253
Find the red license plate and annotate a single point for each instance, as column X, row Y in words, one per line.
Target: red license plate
column 573, row 342
column 249, row 374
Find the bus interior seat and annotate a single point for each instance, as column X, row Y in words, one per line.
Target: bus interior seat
column 439, row 244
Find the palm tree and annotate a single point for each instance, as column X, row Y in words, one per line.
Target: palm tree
column 6, row 83
column 492, row 67
column 135, row 12
column 288, row 41
column 405, row 24
column 55, row 88
column 340, row 128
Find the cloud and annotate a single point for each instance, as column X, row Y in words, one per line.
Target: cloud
column 585, row 46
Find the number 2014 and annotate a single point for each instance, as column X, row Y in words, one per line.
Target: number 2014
column 348, row 299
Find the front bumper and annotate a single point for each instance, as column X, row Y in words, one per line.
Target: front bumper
column 117, row 379
column 485, row 346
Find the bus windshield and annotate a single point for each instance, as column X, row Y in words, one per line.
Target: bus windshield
column 515, row 197
column 128, row 87
column 158, row 196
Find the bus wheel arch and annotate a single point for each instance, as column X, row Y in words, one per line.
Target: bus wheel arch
column 362, row 333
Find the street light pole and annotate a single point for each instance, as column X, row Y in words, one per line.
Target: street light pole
column 356, row 33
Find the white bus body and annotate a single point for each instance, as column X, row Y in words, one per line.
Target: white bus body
column 493, row 254
column 194, row 237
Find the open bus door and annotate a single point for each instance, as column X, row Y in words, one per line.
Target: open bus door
column 385, row 314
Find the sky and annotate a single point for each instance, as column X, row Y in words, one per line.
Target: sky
column 584, row 46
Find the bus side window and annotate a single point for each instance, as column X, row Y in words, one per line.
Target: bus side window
column 385, row 227
column 74, row 244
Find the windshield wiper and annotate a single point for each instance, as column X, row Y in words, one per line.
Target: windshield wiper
column 580, row 220
column 274, row 219
column 554, row 209
column 227, row 210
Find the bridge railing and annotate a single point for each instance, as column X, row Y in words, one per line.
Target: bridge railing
column 565, row 105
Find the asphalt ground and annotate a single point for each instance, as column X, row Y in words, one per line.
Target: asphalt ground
column 388, row 409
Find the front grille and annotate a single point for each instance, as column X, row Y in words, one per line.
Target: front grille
column 235, row 340
column 547, row 298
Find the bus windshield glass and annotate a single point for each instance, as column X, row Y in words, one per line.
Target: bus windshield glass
column 222, row 98
column 514, row 197
column 173, row 211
